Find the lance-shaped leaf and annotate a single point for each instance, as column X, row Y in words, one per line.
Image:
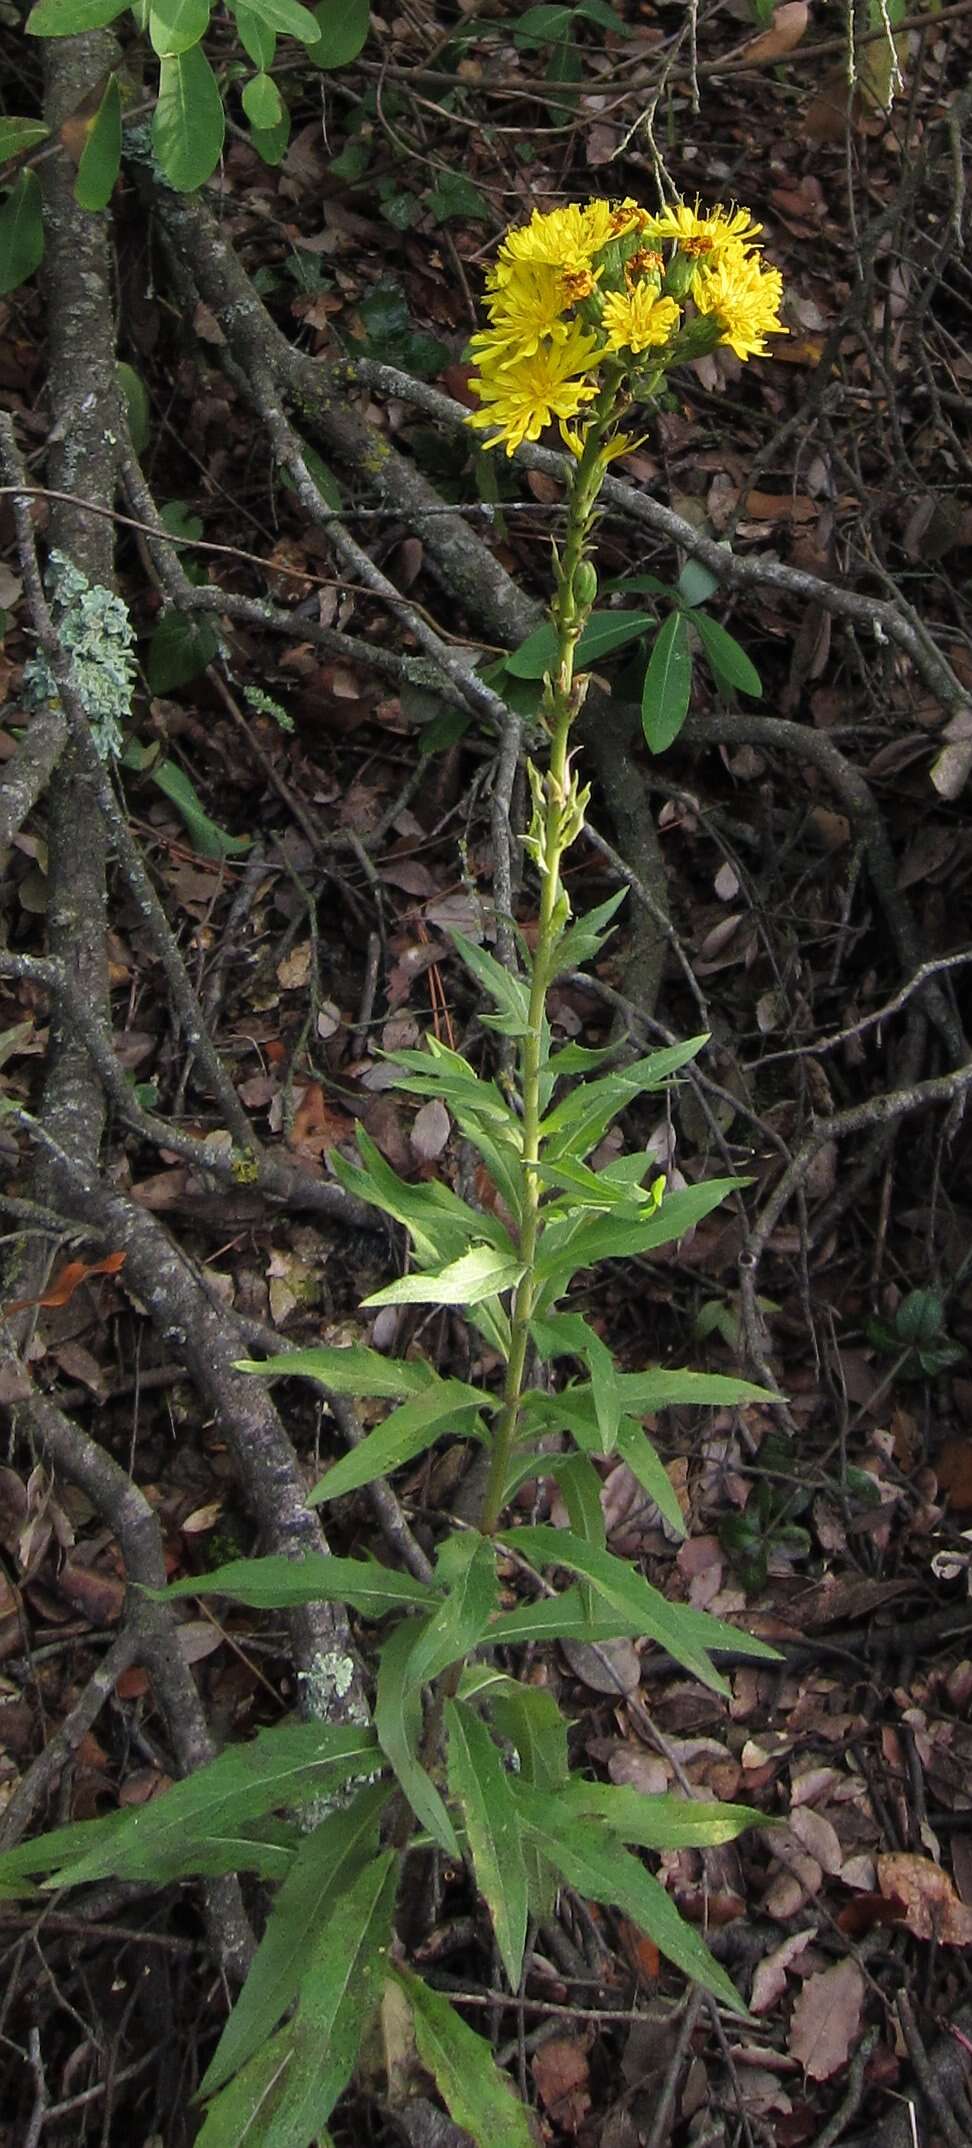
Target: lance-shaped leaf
column 283, row 1767
column 189, row 125
column 288, row 18
column 668, row 684
column 654, row 1823
column 478, row 1274
column 624, row 1590
column 348, row 1372
column 605, row 1872
column 399, row 1723
column 478, row 1781
column 326, row 1863
column 477, row 2096
column 276, row 1584
column 530, row 1718
column 510, row 994
column 564, row 1617
column 285, row 2094
column 466, row 1567
column 582, row 941
column 407, row 1432
column 728, row 663
column 662, row 1387
column 440, row 1225
column 567, row 1249
column 101, row 155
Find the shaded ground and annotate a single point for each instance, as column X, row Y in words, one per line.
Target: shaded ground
column 326, row 808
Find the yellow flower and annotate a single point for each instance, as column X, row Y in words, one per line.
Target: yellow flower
column 637, row 320
column 522, row 395
column 556, row 238
column 526, row 307
column 744, row 299
column 710, row 235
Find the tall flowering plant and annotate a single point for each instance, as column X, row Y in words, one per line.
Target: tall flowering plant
column 589, row 308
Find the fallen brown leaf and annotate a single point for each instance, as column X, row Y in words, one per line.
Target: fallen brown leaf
column 826, row 2020
column 932, row 1909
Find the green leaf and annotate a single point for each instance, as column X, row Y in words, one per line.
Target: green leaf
column 440, row 1225
column 605, row 1872
column 259, row 42
column 407, row 1432
column 262, row 102
column 276, row 1583
column 604, row 632
column 399, row 1724
column 478, row 1781
column 668, row 684
column 101, row 156
column 655, row 1823
column 466, row 1567
column 270, row 143
column 16, row 135
column 617, row 1236
column 543, row 25
column 664, row 1387
column 696, row 583
column 323, row 477
column 510, row 994
column 188, row 128
column 285, row 2094
column 137, row 406
column 70, row 18
column 321, row 1869
column 728, row 663
column 564, row 1617
column 176, row 25
column 342, row 31
column 21, row 232
column 208, row 839
column 454, row 196
column 635, row 1448
column 478, row 1274
column 578, row 1121
column 585, row 939
column 528, row 1716
column 477, row 2096
column 288, row 18
column 176, row 1833
column 624, row 1590
column 606, row 17
column 355, row 1371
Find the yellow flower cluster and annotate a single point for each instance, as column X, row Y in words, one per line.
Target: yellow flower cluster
column 606, row 291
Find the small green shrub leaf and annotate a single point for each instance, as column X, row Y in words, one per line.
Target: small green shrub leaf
column 342, row 31
column 728, row 663
column 16, row 135
column 21, row 232
column 624, row 1590
column 101, row 156
column 259, row 42
column 206, row 837
column 137, row 407
column 407, row 1432
column 477, row 2096
column 668, row 684
column 478, row 1782
column 176, row 25
column 70, row 18
column 604, row 633
column 510, row 994
column 262, row 102
column 277, row 1583
column 585, row 939
column 188, row 128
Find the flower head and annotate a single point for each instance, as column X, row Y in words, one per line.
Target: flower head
column 523, row 394
column 638, row 320
column 706, row 234
column 527, row 306
column 744, row 299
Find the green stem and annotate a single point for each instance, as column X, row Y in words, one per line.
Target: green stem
column 562, row 702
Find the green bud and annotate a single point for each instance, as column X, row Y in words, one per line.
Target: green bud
column 680, row 275
column 585, row 584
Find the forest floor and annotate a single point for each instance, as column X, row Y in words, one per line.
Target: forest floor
column 314, row 819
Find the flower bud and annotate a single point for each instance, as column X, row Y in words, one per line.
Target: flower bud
column 585, row 584
column 680, row 275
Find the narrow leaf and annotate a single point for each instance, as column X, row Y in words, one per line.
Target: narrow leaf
column 326, row 1861
column 284, row 1766
column 101, row 155
column 564, row 1617
column 407, row 1432
column 728, row 663
column 21, row 232
column 478, row 1781
column 624, row 1590
column 480, row 1273
column 16, row 135
column 355, row 1371
column 668, row 684
column 398, row 1722
column 477, row 2096
column 603, row 1871
column 288, row 2099
column 276, row 1584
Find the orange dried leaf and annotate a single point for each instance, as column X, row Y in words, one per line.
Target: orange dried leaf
column 62, row 1289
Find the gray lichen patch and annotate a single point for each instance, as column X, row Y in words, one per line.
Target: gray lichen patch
column 96, row 633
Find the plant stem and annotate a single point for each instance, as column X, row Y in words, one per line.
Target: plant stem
column 570, row 607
